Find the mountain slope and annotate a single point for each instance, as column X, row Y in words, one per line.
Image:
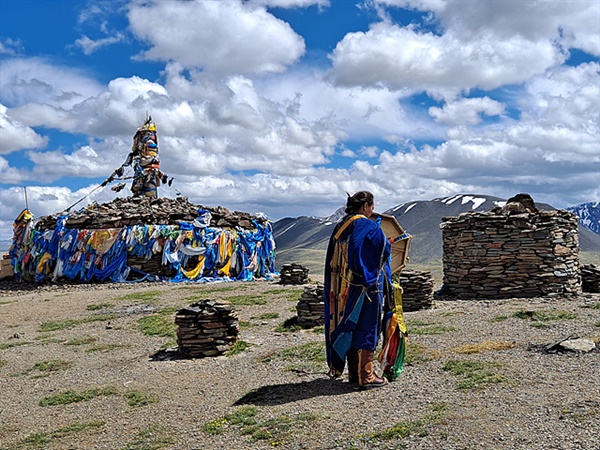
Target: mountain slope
column 304, row 240
column 589, row 215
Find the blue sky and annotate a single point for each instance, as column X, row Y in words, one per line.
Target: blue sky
column 283, row 106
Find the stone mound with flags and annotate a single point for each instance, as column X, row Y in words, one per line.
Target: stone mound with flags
column 138, row 238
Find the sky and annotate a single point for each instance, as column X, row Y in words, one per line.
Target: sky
column 285, row 106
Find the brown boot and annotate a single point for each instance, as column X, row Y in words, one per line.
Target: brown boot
column 352, row 358
column 367, row 378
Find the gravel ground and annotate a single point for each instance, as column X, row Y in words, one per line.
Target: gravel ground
column 520, row 398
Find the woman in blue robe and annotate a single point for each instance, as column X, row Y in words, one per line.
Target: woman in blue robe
column 356, row 268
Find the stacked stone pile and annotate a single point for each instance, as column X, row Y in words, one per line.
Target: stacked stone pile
column 417, row 290
column 206, row 328
column 293, row 274
column 310, row 306
column 512, row 251
column 590, row 278
column 131, row 211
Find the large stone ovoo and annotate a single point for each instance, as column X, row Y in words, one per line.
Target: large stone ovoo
column 144, row 238
column 511, row 251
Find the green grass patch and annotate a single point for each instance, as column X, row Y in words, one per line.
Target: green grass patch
column 162, row 323
column 143, row 297
column 266, row 316
column 544, row 315
column 152, row 438
column 419, row 327
column 246, row 421
column 16, row 343
column 81, row 341
column 136, row 398
column 498, row 319
column 203, row 290
column 53, row 365
column 237, row 348
column 419, row 353
column 105, row 348
column 473, row 373
column 308, row 358
column 72, row 323
column 71, row 396
column 45, row 438
column 409, row 428
column 98, row 306
column 246, row 324
column 246, row 300
column 319, row 329
column 243, row 416
column 292, row 295
column 288, row 325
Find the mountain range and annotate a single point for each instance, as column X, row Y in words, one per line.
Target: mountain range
column 304, row 239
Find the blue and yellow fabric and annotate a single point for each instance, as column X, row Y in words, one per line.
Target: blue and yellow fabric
column 212, row 253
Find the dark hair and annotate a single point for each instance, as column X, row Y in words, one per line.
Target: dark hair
column 356, row 201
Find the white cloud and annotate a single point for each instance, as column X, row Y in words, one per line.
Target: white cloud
column 89, row 46
column 35, row 80
column 219, row 37
column 14, row 135
column 291, row 3
column 400, row 58
column 466, row 111
column 10, row 46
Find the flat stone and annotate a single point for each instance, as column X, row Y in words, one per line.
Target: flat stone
column 578, row 345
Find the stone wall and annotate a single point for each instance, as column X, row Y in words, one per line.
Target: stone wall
column 510, row 252
column 417, row 289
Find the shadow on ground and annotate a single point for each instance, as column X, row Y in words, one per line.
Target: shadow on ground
column 280, row 394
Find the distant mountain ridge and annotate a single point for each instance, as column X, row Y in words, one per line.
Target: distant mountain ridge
column 589, row 215
column 304, row 239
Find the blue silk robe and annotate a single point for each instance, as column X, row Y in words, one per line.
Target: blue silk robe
column 356, row 267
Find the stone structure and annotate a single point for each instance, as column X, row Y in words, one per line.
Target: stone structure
column 512, row 251
column 293, row 274
column 206, row 328
column 590, row 278
column 144, row 238
column 417, row 290
column 310, row 307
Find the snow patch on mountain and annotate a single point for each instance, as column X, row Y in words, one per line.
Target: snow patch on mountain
column 589, row 215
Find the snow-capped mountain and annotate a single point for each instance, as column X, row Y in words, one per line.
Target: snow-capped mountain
column 589, row 215
column 304, row 239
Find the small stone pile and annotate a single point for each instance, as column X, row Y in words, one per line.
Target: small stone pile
column 417, row 290
column 130, row 211
column 293, row 274
column 590, row 278
column 511, row 251
column 206, row 328
column 310, row 306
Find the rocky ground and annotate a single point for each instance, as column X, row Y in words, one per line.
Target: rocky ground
column 80, row 369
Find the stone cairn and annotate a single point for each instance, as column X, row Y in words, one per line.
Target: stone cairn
column 293, row 274
column 590, row 278
column 310, row 307
column 511, row 251
column 206, row 328
column 129, row 211
column 417, row 290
